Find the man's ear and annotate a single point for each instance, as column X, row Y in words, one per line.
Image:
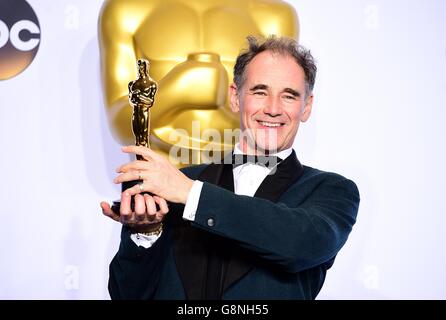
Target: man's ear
column 306, row 112
column 234, row 98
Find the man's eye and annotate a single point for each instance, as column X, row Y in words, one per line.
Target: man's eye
column 290, row 97
column 259, row 93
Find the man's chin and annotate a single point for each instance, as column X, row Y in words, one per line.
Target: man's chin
column 265, row 147
column 263, row 141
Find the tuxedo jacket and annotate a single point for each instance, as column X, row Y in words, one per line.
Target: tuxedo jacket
column 275, row 245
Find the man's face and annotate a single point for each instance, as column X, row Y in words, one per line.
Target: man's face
column 271, row 103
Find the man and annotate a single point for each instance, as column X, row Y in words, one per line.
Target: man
column 250, row 231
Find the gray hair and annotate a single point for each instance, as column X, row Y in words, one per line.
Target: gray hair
column 280, row 45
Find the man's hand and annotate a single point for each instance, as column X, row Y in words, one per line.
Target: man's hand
column 159, row 176
column 146, row 214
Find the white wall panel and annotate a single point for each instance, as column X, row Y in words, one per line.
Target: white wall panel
column 378, row 119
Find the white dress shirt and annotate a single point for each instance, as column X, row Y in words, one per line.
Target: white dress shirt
column 247, row 179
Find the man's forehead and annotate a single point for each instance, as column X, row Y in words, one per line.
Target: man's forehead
column 266, row 66
column 273, row 70
column 273, row 81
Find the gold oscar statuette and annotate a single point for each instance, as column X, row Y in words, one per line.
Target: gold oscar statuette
column 141, row 97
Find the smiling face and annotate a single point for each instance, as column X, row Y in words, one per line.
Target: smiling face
column 271, row 103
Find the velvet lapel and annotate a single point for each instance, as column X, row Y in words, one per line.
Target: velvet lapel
column 287, row 173
column 190, row 243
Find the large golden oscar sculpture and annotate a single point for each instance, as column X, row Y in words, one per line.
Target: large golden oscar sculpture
column 192, row 46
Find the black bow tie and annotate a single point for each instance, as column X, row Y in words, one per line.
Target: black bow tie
column 266, row 161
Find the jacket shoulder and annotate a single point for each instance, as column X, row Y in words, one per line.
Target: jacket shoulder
column 316, row 177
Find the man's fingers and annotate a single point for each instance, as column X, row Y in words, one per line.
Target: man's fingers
column 145, row 208
column 126, row 210
column 129, row 176
column 142, row 151
column 150, row 206
column 107, row 211
column 133, row 166
column 164, row 208
column 140, row 207
column 136, row 189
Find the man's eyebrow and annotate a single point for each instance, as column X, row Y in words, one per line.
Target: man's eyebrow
column 259, row 87
column 292, row 92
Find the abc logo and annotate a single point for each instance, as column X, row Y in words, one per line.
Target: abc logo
column 19, row 37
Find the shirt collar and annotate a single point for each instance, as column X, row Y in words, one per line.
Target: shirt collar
column 281, row 154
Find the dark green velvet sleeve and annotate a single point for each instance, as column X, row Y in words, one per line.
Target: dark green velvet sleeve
column 134, row 271
column 293, row 234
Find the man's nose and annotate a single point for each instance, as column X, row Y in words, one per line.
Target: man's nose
column 273, row 106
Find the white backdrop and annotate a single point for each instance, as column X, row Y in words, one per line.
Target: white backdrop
column 378, row 115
